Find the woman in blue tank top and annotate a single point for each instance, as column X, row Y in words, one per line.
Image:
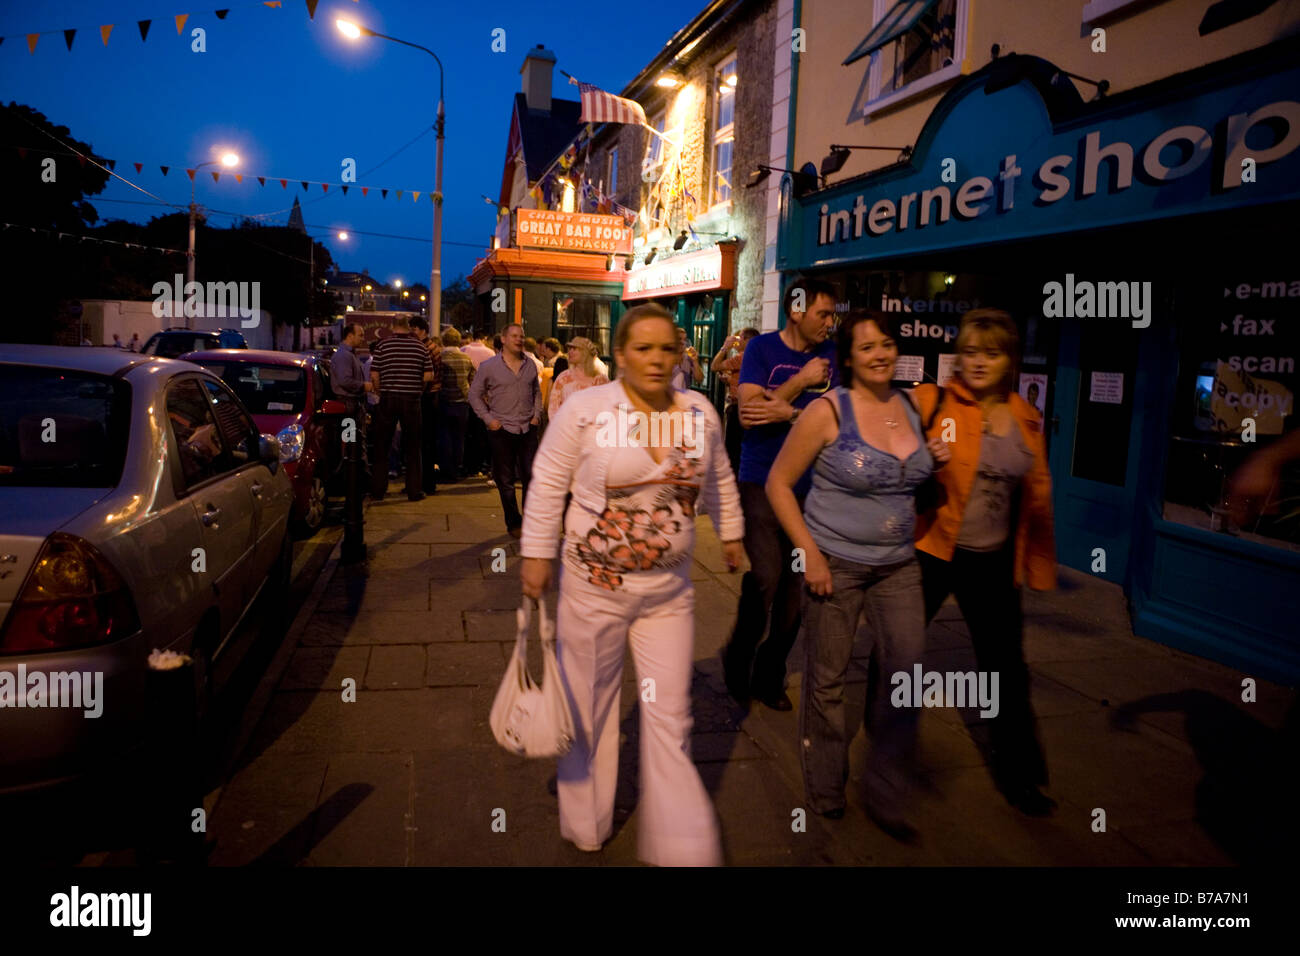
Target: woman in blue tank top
column 868, row 452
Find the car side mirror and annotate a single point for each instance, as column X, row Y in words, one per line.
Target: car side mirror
column 332, row 406
column 268, row 450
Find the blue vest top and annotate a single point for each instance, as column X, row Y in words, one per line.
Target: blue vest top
column 862, row 506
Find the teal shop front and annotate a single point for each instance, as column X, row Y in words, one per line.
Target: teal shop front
column 1145, row 244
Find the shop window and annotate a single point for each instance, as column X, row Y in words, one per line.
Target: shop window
column 583, row 315
column 1237, row 381
column 724, row 134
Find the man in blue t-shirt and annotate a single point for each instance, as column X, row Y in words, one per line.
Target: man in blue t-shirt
column 780, row 374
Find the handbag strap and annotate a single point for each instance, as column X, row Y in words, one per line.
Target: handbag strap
column 524, row 617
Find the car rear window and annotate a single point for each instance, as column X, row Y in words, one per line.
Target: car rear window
column 61, row 429
column 264, row 389
column 176, row 345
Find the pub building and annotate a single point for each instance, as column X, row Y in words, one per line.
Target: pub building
column 1141, row 226
column 693, row 239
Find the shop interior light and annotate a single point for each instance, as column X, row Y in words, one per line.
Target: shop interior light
column 668, row 81
column 949, row 279
column 731, row 81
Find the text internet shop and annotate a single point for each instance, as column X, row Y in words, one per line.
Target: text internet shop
column 1190, row 147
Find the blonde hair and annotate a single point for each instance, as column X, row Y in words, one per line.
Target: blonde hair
column 588, row 349
column 998, row 329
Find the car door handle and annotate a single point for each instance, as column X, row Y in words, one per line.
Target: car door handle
column 257, row 488
column 211, row 516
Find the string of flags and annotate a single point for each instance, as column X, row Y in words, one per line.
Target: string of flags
column 80, row 238
column 284, row 182
column 180, row 19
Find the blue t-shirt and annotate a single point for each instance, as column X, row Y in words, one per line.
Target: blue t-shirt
column 768, row 363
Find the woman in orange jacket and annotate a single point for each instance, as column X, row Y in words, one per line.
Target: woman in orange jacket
column 990, row 532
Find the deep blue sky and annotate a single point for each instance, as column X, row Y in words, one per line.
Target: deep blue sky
column 293, row 97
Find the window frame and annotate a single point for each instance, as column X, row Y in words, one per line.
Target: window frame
column 611, row 172
column 873, row 82
column 723, row 134
column 181, row 482
column 570, row 331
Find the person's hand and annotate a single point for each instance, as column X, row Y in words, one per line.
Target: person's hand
column 1250, row 487
column 535, row 573
column 817, row 573
column 734, row 554
column 765, row 410
column 815, row 371
column 494, row 425
column 940, row 451
column 534, row 420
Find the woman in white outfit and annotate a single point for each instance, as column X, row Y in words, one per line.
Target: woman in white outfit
column 636, row 457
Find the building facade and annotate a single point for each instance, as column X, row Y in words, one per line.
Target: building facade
column 1124, row 178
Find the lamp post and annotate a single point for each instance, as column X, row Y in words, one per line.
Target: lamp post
column 354, row 31
column 229, row 159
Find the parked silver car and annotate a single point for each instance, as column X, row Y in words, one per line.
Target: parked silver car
column 140, row 509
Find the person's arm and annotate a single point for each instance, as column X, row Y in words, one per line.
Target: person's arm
column 557, row 395
column 428, row 367
column 476, row 400
column 813, row 432
column 536, row 386
column 724, row 500
column 727, row 346
column 553, row 468
column 697, row 372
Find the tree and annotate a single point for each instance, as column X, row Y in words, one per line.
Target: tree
column 46, row 186
column 458, row 303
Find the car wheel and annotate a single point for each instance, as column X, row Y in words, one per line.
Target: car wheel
column 309, row 522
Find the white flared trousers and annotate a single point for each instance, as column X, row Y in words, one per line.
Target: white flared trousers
column 676, row 825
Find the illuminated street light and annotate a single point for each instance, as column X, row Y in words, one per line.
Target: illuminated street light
column 228, row 160
column 349, row 29
column 343, row 235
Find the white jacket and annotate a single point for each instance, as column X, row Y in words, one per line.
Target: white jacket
column 571, row 460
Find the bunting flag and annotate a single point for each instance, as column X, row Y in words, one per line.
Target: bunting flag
column 67, row 37
column 364, row 190
column 221, row 14
column 311, row 9
column 111, row 164
column 304, row 185
column 239, row 178
column 270, row 3
column 399, row 194
column 261, row 180
column 164, row 169
column 22, row 152
column 216, row 176
column 79, row 239
column 324, row 187
column 180, row 22
column 190, row 173
column 384, row 194
column 284, row 184
column 31, row 41
column 345, row 189
column 415, row 196
column 139, row 167
column 104, row 31
column 144, row 29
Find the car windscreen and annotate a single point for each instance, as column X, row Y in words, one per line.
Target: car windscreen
column 264, row 389
column 61, row 428
column 174, row 346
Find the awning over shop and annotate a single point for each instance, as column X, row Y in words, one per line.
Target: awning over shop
column 900, row 18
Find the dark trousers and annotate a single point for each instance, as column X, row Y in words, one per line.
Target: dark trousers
column 983, row 583
column 770, row 589
column 476, row 447
column 394, row 407
column 451, row 438
column 732, row 433
column 512, row 460
column 429, row 440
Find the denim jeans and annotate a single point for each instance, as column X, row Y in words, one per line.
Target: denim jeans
column 768, row 591
column 392, row 407
column 451, row 435
column 512, row 460
column 895, row 609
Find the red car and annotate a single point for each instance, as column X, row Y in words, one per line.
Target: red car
column 289, row 396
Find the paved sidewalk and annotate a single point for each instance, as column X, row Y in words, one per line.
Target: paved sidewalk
column 409, row 774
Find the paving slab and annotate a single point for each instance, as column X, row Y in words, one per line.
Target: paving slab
column 394, row 666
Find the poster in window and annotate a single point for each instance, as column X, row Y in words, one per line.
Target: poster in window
column 1033, row 389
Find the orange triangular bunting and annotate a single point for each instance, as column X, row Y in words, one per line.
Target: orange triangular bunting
column 31, row 41
column 216, row 177
column 270, row 3
column 399, row 194
column 415, row 196
column 311, row 9
column 239, row 178
column 180, row 22
column 104, row 31
column 190, row 173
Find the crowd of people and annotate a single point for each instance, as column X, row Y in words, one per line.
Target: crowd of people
column 847, row 496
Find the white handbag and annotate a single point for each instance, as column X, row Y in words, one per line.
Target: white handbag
column 526, row 719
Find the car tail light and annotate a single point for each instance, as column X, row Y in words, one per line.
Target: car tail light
column 72, row 598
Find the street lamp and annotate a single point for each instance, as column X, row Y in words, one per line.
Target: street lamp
column 355, row 31
column 228, row 159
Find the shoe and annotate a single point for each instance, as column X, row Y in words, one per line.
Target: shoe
column 779, row 702
column 737, row 685
column 516, row 532
column 1030, row 801
column 896, row 827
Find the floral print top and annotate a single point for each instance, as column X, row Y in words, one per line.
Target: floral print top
column 648, row 523
column 567, row 384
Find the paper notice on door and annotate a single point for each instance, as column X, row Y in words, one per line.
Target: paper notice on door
column 910, row 368
column 946, row 363
column 1107, row 387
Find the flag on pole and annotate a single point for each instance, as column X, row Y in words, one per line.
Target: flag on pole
column 601, row 107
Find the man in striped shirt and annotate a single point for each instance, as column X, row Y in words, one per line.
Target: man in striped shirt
column 401, row 368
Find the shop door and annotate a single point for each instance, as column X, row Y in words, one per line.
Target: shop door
column 701, row 331
column 1093, row 446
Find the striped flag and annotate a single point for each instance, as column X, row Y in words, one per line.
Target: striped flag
column 601, row 107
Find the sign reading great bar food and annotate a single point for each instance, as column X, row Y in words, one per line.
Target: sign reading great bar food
column 572, row 231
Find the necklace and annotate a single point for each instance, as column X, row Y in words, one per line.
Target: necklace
column 891, row 422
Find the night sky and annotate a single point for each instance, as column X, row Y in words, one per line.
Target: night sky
column 294, row 97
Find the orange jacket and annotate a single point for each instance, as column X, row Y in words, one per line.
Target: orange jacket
column 937, row 531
